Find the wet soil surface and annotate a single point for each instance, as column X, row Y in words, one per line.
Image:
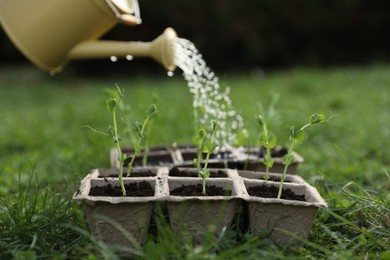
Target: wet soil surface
column 196, row 190
column 276, row 179
column 176, row 172
column 272, row 192
column 145, row 173
column 275, row 152
column 141, row 174
column 152, row 160
column 141, row 189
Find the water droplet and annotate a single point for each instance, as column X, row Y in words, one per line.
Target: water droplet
column 129, row 57
column 170, row 73
column 208, row 96
column 52, row 73
column 114, row 58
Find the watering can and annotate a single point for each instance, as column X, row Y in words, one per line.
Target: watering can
column 51, row 32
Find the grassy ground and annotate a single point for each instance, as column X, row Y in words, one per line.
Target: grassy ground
column 45, row 152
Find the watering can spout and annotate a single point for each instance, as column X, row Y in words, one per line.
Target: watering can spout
column 162, row 49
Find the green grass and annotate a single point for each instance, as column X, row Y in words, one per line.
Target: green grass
column 45, row 152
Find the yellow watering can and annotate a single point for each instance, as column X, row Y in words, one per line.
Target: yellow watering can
column 51, row 32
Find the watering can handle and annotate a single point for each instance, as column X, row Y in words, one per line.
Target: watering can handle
column 126, row 19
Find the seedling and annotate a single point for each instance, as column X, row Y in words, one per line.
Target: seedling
column 112, row 104
column 148, row 133
column 139, row 129
column 208, row 147
column 297, row 137
column 268, row 141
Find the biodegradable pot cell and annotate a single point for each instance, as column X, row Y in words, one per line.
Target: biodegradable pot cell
column 135, row 172
column 240, row 158
column 193, row 172
column 282, row 219
column 213, row 163
column 118, row 220
column 188, row 154
column 252, row 159
column 274, row 177
column 194, row 215
column 158, row 156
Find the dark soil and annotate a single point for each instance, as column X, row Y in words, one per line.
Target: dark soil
column 141, row 189
column 196, row 190
column 154, row 159
column 265, row 191
column 190, row 155
column 276, row 179
column 141, row 174
column 144, row 173
column 176, row 172
column 277, row 152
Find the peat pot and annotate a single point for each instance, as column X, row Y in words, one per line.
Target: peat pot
column 281, row 220
column 230, row 194
column 191, row 213
column 252, row 159
column 240, row 158
column 157, row 156
column 119, row 220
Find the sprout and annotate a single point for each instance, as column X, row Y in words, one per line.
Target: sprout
column 268, row 141
column 208, row 147
column 297, row 137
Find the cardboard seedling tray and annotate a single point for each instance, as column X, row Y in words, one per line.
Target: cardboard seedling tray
column 248, row 158
column 194, row 214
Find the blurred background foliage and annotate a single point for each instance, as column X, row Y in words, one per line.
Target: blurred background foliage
column 254, row 34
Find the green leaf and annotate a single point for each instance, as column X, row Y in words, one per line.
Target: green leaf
column 287, row 159
column 111, row 104
column 263, row 140
column 202, row 134
column 137, row 150
column 268, row 161
column 299, row 137
column 271, row 141
column 208, row 147
column 151, row 110
column 316, row 118
column 268, row 141
column 204, row 173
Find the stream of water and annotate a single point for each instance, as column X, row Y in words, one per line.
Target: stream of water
column 210, row 101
